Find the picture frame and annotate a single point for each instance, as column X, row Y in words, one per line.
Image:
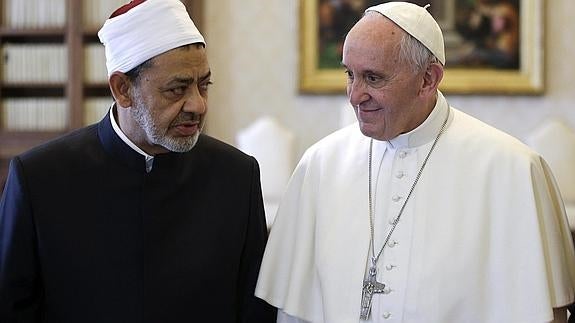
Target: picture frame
column 464, row 73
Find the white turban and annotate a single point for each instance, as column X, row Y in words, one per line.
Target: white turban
column 149, row 29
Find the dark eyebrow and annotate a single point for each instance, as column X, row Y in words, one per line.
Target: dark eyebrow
column 207, row 76
column 371, row 72
column 189, row 80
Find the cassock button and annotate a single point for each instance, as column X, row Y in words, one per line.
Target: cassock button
column 389, row 267
column 391, row 221
column 392, row 243
column 400, row 174
column 386, row 315
column 387, row 290
column 396, row 198
column 402, row 154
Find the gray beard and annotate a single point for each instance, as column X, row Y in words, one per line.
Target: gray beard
column 155, row 136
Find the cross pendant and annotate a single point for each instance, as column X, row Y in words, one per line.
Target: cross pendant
column 370, row 286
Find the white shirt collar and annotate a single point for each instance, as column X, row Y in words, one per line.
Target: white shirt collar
column 120, row 133
column 425, row 132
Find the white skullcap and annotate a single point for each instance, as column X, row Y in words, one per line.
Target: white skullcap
column 146, row 30
column 417, row 22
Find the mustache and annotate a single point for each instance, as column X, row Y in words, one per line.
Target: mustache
column 187, row 116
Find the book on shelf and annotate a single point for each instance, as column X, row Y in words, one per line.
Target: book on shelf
column 96, row 12
column 96, row 108
column 34, row 63
column 32, row 14
column 48, row 114
column 95, row 64
column 34, row 114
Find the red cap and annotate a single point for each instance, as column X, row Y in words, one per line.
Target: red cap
column 125, row 8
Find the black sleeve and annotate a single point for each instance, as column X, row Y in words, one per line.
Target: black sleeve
column 252, row 308
column 20, row 287
column 571, row 309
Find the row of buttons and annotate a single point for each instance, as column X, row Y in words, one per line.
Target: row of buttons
column 389, row 267
column 393, row 243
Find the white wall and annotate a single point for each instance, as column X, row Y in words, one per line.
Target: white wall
column 253, row 51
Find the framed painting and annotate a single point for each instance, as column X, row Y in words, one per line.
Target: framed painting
column 492, row 46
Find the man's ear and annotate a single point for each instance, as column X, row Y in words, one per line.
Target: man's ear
column 431, row 79
column 120, row 85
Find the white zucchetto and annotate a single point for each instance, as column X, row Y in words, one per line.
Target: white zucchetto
column 417, row 22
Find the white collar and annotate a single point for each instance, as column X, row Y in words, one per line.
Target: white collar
column 425, row 132
column 120, row 133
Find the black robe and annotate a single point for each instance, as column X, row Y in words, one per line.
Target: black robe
column 86, row 235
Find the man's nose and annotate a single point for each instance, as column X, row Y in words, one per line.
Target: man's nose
column 356, row 92
column 195, row 102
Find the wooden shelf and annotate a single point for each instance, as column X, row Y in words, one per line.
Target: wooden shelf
column 74, row 36
column 97, row 90
column 51, row 35
column 32, row 32
column 91, row 37
column 16, row 142
column 32, row 90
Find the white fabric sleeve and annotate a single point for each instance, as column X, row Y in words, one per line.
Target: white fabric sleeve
column 286, row 318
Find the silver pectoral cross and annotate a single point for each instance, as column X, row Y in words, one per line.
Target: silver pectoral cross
column 370, row 286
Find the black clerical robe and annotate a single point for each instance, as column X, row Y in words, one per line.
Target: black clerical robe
column 87, row 235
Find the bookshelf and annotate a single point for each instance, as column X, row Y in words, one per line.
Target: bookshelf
column 52, row 69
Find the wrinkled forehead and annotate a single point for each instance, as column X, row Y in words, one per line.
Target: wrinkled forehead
column 374, row 33
column 376, row 28
column 190, row 58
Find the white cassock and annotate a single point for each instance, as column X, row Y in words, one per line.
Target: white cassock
column 484, row 237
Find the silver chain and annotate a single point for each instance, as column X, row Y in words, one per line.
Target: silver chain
column 375, row 258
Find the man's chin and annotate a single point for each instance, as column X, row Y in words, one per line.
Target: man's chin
column 369, row 131
column 182, row 144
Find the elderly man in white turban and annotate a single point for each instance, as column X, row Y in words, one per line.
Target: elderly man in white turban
column 139, row 218
column 418, row 213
